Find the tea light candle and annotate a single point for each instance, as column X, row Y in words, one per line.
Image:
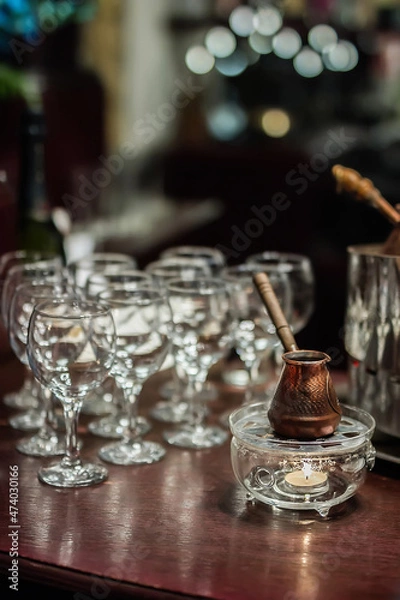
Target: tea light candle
column 305, row 478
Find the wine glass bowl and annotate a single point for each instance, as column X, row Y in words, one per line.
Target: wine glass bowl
column 299, row 271
column 71, row 350
column 97, row 282
column 47, row 441
column 24, row 398
column 255, row 336
column 99, row 262
column 300, row 274
column 50, row 270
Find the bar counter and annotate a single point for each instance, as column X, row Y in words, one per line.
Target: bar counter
column 182, row 528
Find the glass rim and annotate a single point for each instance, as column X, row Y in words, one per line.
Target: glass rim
column 103, row 299
column 369, row 251
column 101, row 310
column 40, row 264
column 124, row 273
column 37, row 283
column 117, row 257
column 247, row 270
column 27, row 254
column 177, row 261
column 206, row 250
column 279, row 256
column 281, row 262
column 174, row 285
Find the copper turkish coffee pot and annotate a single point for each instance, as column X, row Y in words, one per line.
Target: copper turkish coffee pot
column 305, row 405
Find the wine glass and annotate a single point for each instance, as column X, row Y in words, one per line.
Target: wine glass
column 25, row 397
column 203, row 326
column 255, row 336
column 99, row 262
column 113, row 425
column 47, row 441
column 163, row 271
column 143, row 326
column 299, row 271
column 71, row 350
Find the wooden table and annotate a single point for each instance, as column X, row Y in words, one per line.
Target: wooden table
column 182, row 528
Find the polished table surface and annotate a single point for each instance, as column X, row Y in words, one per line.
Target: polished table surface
column 182, row 528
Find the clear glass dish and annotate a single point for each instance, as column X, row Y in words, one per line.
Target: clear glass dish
column 301, row 475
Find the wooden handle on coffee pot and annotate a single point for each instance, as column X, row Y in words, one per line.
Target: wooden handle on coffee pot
column 273, row 307
column 364, row 190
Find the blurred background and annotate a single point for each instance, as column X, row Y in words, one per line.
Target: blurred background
column 212, row 122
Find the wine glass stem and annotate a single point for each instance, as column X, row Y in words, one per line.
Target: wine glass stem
column 71, row 413
column 179, row 384
column 49, row 417
column 131, row 394
column 193, row 391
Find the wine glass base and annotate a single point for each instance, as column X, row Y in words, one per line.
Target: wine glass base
column 128, row 453
column 196, row 438
column 208, row 393
column 21, row 400
column 170, row 412
column 30, row 420
column 114, row 427
column 80, row 475
column 38, row 445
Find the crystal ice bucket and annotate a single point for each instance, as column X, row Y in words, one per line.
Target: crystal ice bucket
column 372, row 334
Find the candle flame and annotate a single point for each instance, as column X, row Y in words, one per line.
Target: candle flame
column 307, row 470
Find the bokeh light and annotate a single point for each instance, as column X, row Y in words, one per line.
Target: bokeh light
column 308, row 63
column 252, row 55
column 241, row 21
column 275, row 122
column 220, row 42
column 199, row 60
column 321, row 36
column 342, row 56
column 268, row 20
column 286, row 43
column 260, row 43
column 226, row 121
column 233, row 65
